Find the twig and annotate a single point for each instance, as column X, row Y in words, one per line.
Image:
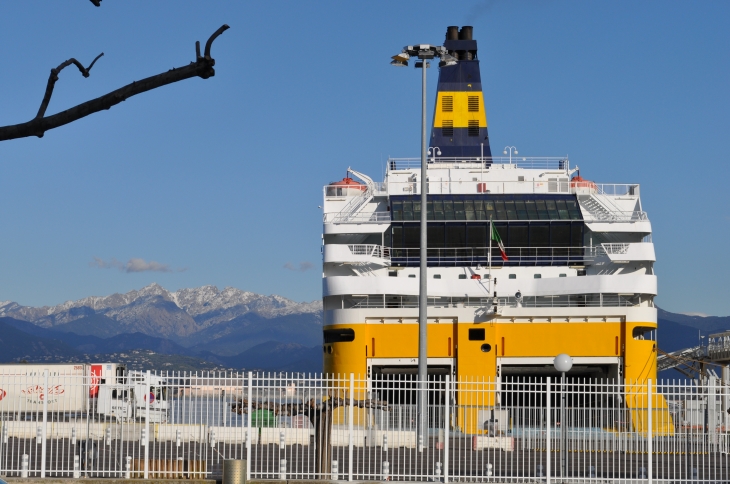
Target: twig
column 202, row 67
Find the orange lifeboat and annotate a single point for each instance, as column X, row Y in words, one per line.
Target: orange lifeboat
column 578, row 182
column 345, row 188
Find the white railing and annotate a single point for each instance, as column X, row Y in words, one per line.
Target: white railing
column 615, row 249
column 379, row 301
column 371, row 250
column 356, row 218
column 351, row 428
column 474, row 256
column 538, row 162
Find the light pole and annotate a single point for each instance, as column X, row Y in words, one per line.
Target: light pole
column 563, row 363
column 512, row 150
column 423, row 52
column 434, row 152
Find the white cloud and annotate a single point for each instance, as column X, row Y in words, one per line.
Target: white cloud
column 303, row 266
column 702, row 315
column 134, row 264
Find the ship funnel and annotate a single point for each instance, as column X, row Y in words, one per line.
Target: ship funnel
column 460, row 120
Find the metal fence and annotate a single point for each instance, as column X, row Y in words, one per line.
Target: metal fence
column 177, row 425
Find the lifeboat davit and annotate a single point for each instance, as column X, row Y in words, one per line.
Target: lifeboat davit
column 346, row 187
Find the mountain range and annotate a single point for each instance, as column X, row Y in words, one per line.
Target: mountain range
column 230, row 328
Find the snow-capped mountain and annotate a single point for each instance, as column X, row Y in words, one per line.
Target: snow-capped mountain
column 155, row 311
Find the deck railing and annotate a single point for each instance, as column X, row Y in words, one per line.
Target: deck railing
column 287, row 427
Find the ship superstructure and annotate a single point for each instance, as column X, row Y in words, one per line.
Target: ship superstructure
column 578, row 276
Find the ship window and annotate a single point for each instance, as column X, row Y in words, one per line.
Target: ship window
column 513, row 276
column 576, row 235
column 438, row 210
column 392, row 273
column 511, row 210
column 537, row 276
column 469, row 209
column 581, row 272
column 517, row 236
column 448, row 210
column 412, row 276
column 462, row 276
column 486, row 347
column 477, row 334
column 539, row 235
column 473, row 129
column 552, row 209
column 501, row 212
column 476, row 235
column 455, row 235
column 531, row 210
column 473, row 104
column 437, row 276
column 562, row 210
column 397, row 210
column 435, row 236
column 479, row 210
column 560, row 235
column 563, row 275
column 397, row 236
column 521, row 210
column 459, row 210
column 407, row 210
column 416, row 210
column 412, row 236
column 447, row 128
column 447, row 104
column 342, row 335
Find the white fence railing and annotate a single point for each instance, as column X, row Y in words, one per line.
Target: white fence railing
column 290, row 427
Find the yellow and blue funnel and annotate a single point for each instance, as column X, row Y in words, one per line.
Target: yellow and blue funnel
column 460, row 120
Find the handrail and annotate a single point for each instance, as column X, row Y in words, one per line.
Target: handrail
column 546, row 162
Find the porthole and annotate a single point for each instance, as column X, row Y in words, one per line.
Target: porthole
column 486, row 347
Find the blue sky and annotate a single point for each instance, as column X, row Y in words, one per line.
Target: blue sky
column 218, row 181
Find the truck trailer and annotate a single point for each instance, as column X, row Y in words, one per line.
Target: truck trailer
column 72, row 391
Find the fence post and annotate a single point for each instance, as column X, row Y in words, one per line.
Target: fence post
column 147, row 427
column 547, row 430
column 350, row 418
column 649, row 432
column 447, row 428
column 250, row 429
column 45, row 421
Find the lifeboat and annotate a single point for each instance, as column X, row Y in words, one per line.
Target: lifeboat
column 347, row 187
column 579, row 182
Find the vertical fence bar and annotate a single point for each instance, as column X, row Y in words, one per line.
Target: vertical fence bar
column 447, row 427
column 350, row 417
column 248, row 424
column 649, row 432
column 146, row 426
column 547, row 430
column 45, row 421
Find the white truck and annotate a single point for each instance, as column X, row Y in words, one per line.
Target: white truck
column 97, row 391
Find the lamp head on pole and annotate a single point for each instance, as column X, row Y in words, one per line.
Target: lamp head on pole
column 563, row 363
column 400, row 60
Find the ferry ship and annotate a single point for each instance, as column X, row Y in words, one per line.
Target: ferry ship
column 576, row 274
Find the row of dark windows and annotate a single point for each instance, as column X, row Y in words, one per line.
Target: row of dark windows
column 513, row 234
column 494, row 208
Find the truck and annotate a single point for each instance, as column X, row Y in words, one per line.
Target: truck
column 80, row 390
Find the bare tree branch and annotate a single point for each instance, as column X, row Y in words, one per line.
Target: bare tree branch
column 54, row 77
column 202, row 67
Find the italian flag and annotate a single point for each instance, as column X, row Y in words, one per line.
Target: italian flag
column 498, row 240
